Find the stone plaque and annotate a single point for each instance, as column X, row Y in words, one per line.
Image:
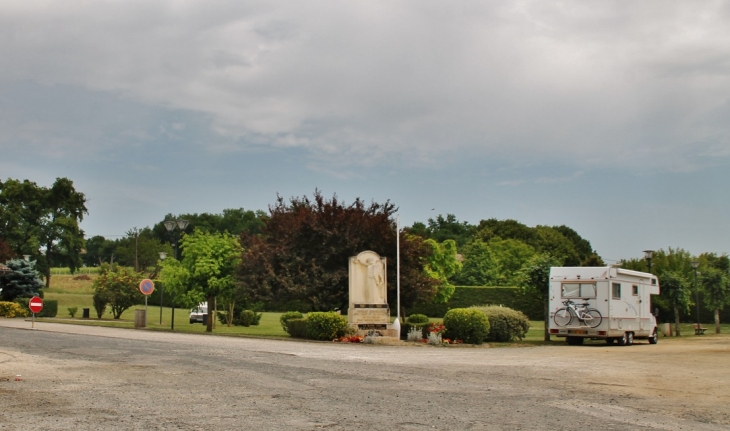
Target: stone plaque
column 365, row 316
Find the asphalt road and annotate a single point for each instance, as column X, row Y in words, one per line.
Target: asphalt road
column 74, row 377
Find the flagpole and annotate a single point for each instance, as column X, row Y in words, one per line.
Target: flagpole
column 397, row 258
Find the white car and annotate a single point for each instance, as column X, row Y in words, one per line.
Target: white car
column 197, row 313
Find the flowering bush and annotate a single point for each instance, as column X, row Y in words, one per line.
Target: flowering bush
column 351, row 339
column 437, row 327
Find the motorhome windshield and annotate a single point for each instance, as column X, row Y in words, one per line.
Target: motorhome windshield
column 578, row 290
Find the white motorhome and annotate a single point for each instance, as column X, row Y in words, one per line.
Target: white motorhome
column 621, row 296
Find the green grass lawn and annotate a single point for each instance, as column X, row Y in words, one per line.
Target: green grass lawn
column 78, row 293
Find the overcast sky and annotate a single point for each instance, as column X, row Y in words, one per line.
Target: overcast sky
column 610, row 117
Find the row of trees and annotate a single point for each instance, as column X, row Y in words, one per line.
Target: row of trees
column 295, row 256
column 677, row 280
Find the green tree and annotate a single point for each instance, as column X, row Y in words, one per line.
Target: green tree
column 480, row 268
column 511, row 256
column 140, row 249
column 205, row 271
column 442, row 264
column 675, row 289
column 119, row 288
column 34, row 217
column 23, row 282
column 98, row 251
column 234, row 221
column 535, row 280
column 716, row 286
column 441, row 229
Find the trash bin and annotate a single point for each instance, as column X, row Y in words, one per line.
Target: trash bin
column 86, row 313
column 205, row 319
column 667, row 329
column 140, row 319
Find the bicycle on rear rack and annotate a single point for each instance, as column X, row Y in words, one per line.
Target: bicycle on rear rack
column 589, row 317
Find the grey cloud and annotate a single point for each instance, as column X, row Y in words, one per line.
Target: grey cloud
column 363, row 83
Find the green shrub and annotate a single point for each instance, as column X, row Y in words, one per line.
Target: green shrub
column 505, row 324
column 288, row 316
column 50, row 308
column 417, row 318
column 72, row 311
column 100, row 303
column 12, row 309
column 326, row 325
column 296, row 328
column 467, row 324
column 248, row 318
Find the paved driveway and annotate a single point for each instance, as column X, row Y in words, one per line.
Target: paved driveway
column 78, row 377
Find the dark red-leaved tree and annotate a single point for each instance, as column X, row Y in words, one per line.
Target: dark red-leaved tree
column 6, row 253
column 302, row 254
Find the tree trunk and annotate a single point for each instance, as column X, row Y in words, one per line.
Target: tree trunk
column 211, row 301
column 546, row 312
column 717, row 321
column 676, row 322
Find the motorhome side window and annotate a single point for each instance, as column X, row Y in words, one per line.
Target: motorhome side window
column 635, row 290
column 616, row 290
column 578, row 290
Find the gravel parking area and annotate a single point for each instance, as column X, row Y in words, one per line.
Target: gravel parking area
column 79, row 377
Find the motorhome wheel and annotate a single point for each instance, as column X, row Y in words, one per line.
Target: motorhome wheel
column 654, row 337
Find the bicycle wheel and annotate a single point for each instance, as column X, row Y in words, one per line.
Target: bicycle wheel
column 592, row 317
column 563, row 317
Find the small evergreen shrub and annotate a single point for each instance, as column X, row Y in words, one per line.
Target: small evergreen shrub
column 505, row 324
column 417, row 318
column 467, row 324
column 12, row 309
column 249, row 317
column 326, row 325
column 288, row 316
column 72, row 311
column 296, row 328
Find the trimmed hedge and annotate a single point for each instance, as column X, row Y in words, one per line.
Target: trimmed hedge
column 469, row 296
column 296, row 328
column 505, row 324
column 326, row 325
column 417, row 318
column 467, row 324
column 50, row 307
column 288, row 316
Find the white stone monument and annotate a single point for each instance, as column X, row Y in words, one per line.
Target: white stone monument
column 368, row 288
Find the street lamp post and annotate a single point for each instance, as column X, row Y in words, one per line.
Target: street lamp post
column 696, row 264
column 648, row 254
column 163, row 255
column 174, row 238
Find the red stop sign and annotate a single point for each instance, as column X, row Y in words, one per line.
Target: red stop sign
column 35, row 304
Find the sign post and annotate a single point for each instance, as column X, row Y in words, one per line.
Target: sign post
column 36, row 305
column 146, row 286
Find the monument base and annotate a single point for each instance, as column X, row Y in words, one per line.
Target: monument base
column 385, row 333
